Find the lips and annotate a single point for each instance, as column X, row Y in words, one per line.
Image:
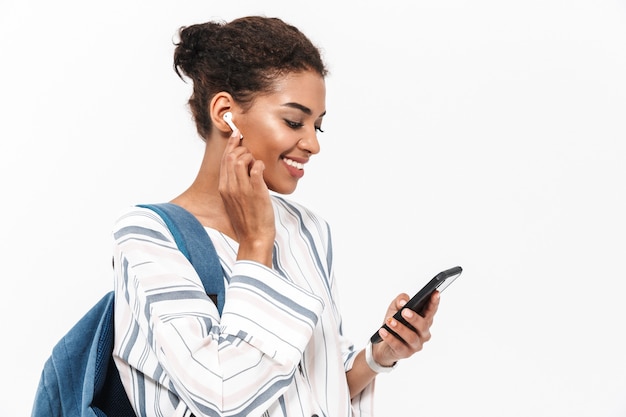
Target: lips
column 295, row 168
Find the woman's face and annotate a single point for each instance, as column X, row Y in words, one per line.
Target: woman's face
column 281, row 127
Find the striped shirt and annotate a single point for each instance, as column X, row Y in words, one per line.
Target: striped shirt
column 278, row 348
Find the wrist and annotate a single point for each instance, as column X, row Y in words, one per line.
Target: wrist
column 375, row 366
column 258, row 251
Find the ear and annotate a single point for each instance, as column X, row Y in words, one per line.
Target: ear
column 221, row 103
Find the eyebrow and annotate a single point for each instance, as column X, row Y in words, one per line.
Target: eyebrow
column 302, row 108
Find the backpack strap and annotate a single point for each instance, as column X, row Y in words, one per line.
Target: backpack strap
column 194, row 242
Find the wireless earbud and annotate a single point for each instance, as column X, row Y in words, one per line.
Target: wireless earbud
column 228, row 118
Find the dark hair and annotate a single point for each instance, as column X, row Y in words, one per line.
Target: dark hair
column 242, row 57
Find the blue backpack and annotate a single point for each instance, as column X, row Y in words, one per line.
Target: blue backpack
column 80, row 378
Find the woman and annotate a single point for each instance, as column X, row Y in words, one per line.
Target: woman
column 277, row 349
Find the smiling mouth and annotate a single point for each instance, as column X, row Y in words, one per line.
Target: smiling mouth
column 293, row 163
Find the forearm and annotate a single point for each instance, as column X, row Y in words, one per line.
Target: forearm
column 365, row 369
column 206, row 361
column 360, row 376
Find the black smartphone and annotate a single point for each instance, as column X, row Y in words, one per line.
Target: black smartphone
column 422, row 297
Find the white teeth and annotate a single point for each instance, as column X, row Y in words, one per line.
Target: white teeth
column 293, row 163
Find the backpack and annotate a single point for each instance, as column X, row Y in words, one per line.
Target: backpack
column 80, row 378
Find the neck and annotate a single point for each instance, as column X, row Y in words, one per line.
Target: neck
column 202, row 198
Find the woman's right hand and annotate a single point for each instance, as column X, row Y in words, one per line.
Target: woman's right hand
column 247, row 201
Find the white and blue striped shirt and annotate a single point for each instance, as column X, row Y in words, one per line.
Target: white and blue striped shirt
column 277, row 350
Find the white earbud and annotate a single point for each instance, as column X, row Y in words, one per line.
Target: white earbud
column 228, row 118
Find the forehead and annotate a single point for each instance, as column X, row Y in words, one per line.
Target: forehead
column 305, row 88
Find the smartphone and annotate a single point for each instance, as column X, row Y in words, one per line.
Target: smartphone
column 420, row 300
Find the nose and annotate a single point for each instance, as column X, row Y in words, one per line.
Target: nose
column 309, row 143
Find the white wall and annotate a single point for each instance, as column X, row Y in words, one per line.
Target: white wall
column 506, row 157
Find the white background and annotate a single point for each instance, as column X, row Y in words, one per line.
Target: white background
column 506, row 155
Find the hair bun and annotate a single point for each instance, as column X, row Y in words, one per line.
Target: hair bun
column 195, row 44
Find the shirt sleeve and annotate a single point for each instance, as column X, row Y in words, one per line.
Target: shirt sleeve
column 170, row 329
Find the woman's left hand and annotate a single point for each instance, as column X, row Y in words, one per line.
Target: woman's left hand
column 392, row 349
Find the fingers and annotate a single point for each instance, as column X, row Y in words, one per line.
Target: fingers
column 233, row 141
column 401, row 300
column 400, row 342
column 231, row 154
column 422, row 322
column 421, row 334
column 397, row 304
column 408, row 334
column 411, row 328
column 236, row 164
column 256, row 174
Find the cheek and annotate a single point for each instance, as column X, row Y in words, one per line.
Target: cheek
column 268, row 148
column 265, row 154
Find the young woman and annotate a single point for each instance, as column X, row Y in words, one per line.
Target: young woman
column 277, row 349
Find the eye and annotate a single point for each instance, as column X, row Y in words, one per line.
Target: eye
column 293, row 125
column 319, row 129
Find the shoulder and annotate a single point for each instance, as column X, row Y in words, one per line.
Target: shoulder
column 136, row 214
column 140, row 220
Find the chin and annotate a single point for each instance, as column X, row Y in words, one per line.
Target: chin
column 284, row 189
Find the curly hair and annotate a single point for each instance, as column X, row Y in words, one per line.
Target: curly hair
column 242, row 58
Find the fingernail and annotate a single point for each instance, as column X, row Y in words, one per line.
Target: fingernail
column 407, row 313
